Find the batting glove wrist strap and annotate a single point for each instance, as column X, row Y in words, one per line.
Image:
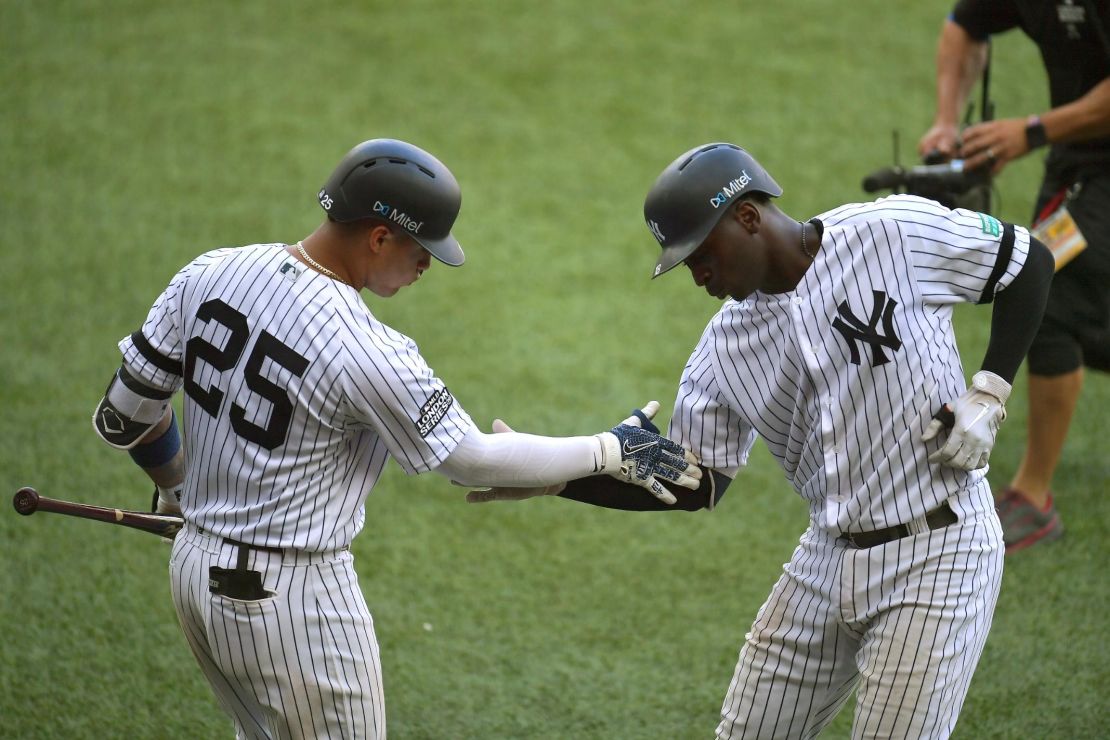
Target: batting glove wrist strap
column 988, row 382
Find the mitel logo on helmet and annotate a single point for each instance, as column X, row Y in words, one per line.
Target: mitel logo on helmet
column 731, row 188
column 397, row 217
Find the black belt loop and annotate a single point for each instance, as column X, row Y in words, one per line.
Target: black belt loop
column 244, row 546
column 938, row 518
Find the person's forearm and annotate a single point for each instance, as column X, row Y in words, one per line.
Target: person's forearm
column 610, row 493
column 960, row 62
column 1086, row 118
column 1017, row 313
column 151, row 452
column 521, row 460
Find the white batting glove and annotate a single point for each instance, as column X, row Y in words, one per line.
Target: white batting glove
column 636, row 455
column 484, row 495
column 978, row 414
column 167, row 500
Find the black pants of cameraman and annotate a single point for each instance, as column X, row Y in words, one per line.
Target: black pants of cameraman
column 1076, row 326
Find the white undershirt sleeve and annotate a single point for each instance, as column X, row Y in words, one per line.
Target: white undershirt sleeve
column 520, row 460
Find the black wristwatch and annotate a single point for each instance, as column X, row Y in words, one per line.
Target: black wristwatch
column 1035, row 136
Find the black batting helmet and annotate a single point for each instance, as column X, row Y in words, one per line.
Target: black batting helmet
column 401, row 184
column 694, row 192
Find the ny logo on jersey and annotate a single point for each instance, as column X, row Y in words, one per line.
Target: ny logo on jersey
column 853, row 330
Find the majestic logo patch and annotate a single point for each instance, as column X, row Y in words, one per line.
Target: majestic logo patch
column 731, row 188
column 433, row 411
column 989, row 224
column 854, row 330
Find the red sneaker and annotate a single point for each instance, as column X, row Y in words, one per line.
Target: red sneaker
column 1025, row 524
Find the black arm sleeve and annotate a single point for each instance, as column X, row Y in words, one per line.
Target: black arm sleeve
column 610, row 493
column 1017, row 313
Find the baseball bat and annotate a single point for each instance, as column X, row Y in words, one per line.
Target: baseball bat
column 27, row 501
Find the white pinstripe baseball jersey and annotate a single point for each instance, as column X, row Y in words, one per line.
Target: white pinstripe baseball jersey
column 294, row 397
column 841, row 375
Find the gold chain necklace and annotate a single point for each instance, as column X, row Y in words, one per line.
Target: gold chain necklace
column 804, row 249
column 319, row 268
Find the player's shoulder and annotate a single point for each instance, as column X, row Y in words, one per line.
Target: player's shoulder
column 731, row 314
column 363, row 329
column 223, row 256
column 899, row 207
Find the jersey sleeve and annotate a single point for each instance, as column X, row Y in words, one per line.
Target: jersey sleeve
column 702, row 420
column 960, row 255
column 390, row 388
column 981, row 18
column 154, row 354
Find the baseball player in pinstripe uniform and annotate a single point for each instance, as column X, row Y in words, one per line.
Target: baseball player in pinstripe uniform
column 295, row 396
column 835, row 346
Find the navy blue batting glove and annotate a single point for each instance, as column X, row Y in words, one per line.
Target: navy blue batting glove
column 634, row 452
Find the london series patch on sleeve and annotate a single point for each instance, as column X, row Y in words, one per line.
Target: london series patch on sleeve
column 433, row 411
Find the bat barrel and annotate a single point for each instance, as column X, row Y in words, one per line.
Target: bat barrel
column 26, row 501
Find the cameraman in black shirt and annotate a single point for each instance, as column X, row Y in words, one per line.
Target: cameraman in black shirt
column 1074, row 39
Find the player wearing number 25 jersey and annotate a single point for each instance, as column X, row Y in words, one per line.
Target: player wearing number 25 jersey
column 295, row 396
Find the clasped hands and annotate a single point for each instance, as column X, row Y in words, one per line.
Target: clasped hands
column 633, row 452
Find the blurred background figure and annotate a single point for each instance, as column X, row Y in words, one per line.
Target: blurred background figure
column 1072, row 213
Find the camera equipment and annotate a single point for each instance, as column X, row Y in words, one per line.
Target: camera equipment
column 947, row 182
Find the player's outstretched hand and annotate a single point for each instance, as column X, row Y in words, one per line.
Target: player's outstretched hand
column 500, row 493
column 640, row 456
column 977, row 414
column 639, row 420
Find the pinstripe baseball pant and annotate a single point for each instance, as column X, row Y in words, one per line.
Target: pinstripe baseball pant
column 905, row 621
column 303, row 663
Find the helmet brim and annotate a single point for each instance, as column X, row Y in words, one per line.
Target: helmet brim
column 673, row 256
column 446, row 250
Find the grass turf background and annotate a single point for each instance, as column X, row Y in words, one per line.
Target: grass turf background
column 136, row 135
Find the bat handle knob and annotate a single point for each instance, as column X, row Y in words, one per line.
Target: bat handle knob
column 26, row 501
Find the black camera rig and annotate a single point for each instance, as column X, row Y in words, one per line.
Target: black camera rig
column 946, row 181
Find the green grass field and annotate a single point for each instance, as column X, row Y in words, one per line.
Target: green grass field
column 136, row 135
